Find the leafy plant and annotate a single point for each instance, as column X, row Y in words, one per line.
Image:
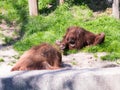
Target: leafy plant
column 1, row 60
column 8, row 40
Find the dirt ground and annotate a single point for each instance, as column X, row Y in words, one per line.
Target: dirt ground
column 81, row 60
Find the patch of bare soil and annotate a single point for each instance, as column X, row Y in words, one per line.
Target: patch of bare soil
column 88, row 60
column 8, row 55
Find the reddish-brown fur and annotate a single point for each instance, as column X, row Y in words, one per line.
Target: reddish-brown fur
column 43, row 56
column 77, row 38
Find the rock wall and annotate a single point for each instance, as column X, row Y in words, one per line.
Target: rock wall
column 65, row 79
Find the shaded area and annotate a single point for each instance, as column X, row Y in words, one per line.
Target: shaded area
column 49, row 8
column 95, row 5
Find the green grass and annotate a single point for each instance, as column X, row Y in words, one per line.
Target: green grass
column 13, row 10
column 1, row 60
column 52, row 26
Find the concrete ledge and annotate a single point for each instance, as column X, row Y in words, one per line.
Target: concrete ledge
column 65, row 79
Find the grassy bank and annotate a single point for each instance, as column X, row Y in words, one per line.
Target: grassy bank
column 51, row 24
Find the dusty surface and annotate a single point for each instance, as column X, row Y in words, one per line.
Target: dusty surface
column 88, row 60
column 82, row 60
column 8, row 56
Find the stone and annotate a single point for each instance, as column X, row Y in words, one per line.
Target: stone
column 63, row 79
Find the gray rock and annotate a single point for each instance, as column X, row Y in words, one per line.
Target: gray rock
column 64, row 79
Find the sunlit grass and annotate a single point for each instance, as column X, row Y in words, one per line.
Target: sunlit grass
column 51, row 27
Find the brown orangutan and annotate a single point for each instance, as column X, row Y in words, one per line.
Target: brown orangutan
column 43, row 56
column 77, row 38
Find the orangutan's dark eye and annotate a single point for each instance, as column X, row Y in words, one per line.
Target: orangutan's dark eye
column 67, row 39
